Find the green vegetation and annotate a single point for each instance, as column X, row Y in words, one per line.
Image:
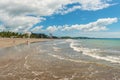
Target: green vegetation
column 66, row 37
column 20, row 35
column 40, row 35
column 9, row 34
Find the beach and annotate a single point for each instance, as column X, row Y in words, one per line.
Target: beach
column 54, row 60
column 9, row 42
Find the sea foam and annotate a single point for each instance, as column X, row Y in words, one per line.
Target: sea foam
column 94, row 53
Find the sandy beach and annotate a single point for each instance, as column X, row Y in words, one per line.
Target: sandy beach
column 9, row 42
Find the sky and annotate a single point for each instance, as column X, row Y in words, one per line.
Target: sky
column 88, row 18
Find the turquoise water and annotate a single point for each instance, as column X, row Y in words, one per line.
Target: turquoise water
column 113, row 44
column 106, row 51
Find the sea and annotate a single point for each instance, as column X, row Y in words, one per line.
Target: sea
column 103, row 51
column 62, row 59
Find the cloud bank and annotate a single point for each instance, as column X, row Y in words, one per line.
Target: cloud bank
column 99, row 25
column 22, row 15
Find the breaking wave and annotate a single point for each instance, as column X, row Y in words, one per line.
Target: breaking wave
column 94, row 53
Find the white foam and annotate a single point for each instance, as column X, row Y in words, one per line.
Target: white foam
column 93, row 53
column 56, row 56
column 69, row 40
column 114, row 57
column 36, row 73
column 54, row 76
column 72, row 45
column 26, row 57
column 62, row 58
column 56, row 48
column 25, row 64
column 64, row 79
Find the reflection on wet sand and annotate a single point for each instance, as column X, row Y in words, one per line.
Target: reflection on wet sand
column 31, row 63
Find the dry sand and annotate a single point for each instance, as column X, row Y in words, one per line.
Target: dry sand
column 8, row 42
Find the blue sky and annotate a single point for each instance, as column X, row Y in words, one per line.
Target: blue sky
column 98, row 18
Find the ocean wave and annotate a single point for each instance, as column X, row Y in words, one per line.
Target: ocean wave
column 59, row 42
column 69, row 40
column 95, row 53
column 56, row 48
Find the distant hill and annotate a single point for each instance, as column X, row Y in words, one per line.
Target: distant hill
column 82, row 38
column 68, row 37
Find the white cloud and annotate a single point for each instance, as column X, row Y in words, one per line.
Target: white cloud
column 69, row 10
column 53, row 28
column 14, row 13
column 99, row 25
column 18, row 23
column 47, row 7
column 88, row 5
column 37, row 29
column 93, row 5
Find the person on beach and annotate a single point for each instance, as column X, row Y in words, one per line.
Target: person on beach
column 27, row 42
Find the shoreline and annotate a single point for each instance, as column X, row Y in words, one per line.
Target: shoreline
column 40, row 63
column 9, row 42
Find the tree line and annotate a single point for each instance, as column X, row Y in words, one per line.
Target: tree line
column 8, row 34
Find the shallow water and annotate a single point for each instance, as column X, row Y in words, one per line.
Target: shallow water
column 56, row 60
column 105, row 51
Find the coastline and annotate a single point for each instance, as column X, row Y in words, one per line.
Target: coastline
column 9, row 42
column 45, row 62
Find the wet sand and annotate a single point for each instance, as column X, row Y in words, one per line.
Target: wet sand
column 32, row 63
column 8, row 42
